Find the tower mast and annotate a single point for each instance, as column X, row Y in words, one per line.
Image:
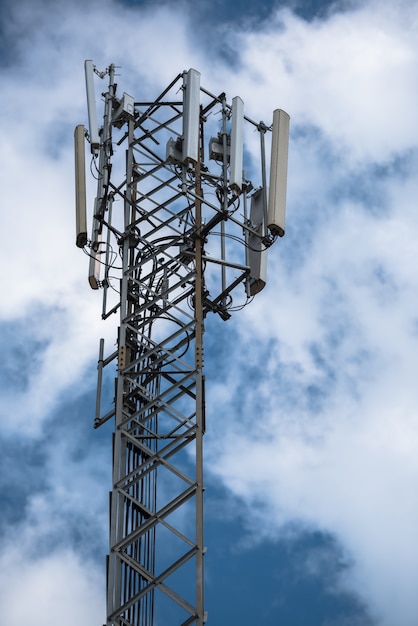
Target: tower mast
column 171, row 241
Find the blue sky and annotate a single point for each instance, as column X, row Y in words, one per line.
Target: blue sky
column 312, row 408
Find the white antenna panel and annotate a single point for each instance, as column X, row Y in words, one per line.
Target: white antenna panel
column 237, row 143
column 278, row 173
column 257, row 253
column 80, row 187
column 91, row 106
column 191, row 116
column 94, row 265
column 95, row 250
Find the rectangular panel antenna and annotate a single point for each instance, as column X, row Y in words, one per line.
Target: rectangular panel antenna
column 257, row 252
column 94, row 265
column 191, row 116
column 80, row 187
column 91, row 106
column 237, row 143
column 278, row 173
column 95, row 250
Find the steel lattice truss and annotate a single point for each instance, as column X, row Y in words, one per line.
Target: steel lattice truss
column 161, row 215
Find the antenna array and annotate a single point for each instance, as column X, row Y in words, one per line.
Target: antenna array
column 172, row 239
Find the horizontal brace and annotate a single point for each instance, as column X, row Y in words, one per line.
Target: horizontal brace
column 151, row 465
column 139, row 176
column 110, row 358
column 209, row 259
column 143, row 415
column 157, row 581
column 168, row 451
column 221, row 100
column 157, row 348
column 173, row 435
column 213, row 303
column 158, row 297
column 159, row 124
column 220, row 211
column 155, row 104
column 160, row 397
column 111, row 311
column 100, row 421
column 150, row 523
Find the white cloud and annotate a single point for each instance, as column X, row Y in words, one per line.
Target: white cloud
column 48, row 567
column 58, row 586
column 326, row 434
column 352, row 75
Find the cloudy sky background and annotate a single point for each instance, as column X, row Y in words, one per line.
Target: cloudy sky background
column 312, row 464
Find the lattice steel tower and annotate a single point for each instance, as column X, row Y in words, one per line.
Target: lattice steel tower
column 177, row 227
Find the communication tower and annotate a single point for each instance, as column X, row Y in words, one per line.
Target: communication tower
column 177, row 229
